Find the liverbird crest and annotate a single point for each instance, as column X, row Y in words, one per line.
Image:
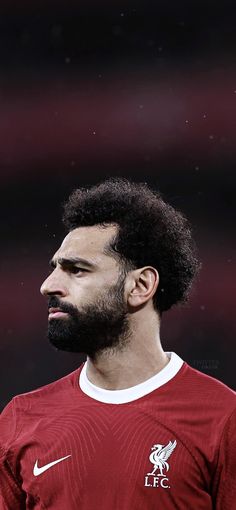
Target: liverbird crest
column 159, row 456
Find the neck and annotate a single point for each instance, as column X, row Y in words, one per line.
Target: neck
column 138, row 360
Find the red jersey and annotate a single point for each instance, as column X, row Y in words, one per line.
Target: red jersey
column 167, row 443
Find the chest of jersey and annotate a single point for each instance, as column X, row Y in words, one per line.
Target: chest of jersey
column 110, row 457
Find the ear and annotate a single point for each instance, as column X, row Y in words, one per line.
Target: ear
column 142, row 286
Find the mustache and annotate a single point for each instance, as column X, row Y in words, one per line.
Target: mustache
column 54, row 302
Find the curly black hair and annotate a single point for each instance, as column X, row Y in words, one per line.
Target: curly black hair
column 150, row 232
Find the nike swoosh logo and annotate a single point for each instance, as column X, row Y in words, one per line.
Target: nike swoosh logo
column 39, row 470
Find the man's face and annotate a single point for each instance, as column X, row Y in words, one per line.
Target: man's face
column 85, row 291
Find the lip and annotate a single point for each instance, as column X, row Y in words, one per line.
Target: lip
column 54, row 309
column 56, row 313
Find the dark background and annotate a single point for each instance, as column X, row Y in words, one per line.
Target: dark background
column 145, row 90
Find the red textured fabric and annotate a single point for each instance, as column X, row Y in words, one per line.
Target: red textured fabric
column 109, row 454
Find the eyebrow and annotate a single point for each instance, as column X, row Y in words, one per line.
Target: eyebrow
column 67, row 262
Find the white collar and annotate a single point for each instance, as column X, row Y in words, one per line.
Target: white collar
column 135, row 392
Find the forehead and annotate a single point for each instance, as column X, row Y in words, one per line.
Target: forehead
column 86, row 242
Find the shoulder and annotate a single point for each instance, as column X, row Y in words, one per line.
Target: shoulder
column 202, row 410
column 206, row 395
column 208, row 385
column 27, row 410
column 54, row 392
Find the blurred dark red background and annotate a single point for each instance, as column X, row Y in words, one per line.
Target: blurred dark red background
column 146, row 90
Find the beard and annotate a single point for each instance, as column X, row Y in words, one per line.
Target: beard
column 95, row 327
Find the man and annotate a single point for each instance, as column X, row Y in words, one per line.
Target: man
column 134, row 428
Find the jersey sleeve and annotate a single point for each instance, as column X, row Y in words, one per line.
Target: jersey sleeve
column 11, row 495
column 225, row 479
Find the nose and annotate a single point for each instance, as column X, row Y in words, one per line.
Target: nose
column 53, row 286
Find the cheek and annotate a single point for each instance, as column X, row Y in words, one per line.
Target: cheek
column 84, row 289
column 92, row 286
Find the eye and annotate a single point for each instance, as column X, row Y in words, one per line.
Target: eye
column 76, row 270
